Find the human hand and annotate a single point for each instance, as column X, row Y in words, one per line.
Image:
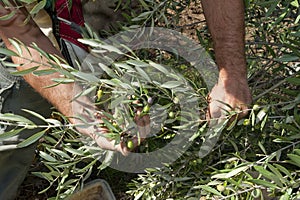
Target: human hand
column 100, row 133
column 229, row 95
column 143, row 125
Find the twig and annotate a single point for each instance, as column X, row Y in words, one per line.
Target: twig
column 269, row 90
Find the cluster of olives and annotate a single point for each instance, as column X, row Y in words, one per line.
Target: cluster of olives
column 139, row 105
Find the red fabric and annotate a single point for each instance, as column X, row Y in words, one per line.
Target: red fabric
column 72, row 14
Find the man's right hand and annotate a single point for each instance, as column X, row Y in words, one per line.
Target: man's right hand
column 229, row 95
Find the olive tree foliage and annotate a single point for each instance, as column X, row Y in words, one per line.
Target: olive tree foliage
column 256, row 158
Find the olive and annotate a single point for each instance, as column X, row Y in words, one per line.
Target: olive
column 99, row 94
column 255, row 107
column 176, row 100
column 246, row 122
column 171, row 114
column 150, row 100
column 146, row 108
column 130, row 144
column 220, row 188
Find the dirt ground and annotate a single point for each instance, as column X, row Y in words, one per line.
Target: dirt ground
column 191, row 19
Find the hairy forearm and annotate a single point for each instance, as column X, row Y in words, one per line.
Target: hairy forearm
column 59, row 96
column 225, row 19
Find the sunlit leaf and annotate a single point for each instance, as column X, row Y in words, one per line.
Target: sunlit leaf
column 47, row 157
column 39, row 6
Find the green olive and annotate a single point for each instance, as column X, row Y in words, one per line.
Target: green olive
column 146, row 108
column 99, row 94
column 115, row 124
column 220, row 188
column 255, row 107
column 176, row 100
column 130, row 144
column 246, row 122
column 171, row 114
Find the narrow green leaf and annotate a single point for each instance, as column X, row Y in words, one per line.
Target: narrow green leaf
column 15, row 118
column 17, row 46
column 139, row 195
column 110, row 48
column 295, row 3
column 137, row 63
column 90, row 42
column 142, row 73
column 159, row 67
column 32, row 139
column 44, row 72
column 264, row 183
column 74, row 151
column 61, row 153
column 39, row 6
column 231, row 173
column 9, row 64
column 90, row 165
column 284, row 170
column 86, row 92
column 25, row 71
column 278, row 175
column 7, row 52
column 63, row 80
column 35, row 114
column 10, row 133
column 107, row 70
column 295, row 159
column 85, row 76
column 41, row 51
column 171, row 84
column 262, row 147
column 124, row 66
column 43, row 175
column 208, row 189
column 8, row 16
column 287, row 58
column 267, row 174
column 261, row 114
column 297, row 151
column 47, row 157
